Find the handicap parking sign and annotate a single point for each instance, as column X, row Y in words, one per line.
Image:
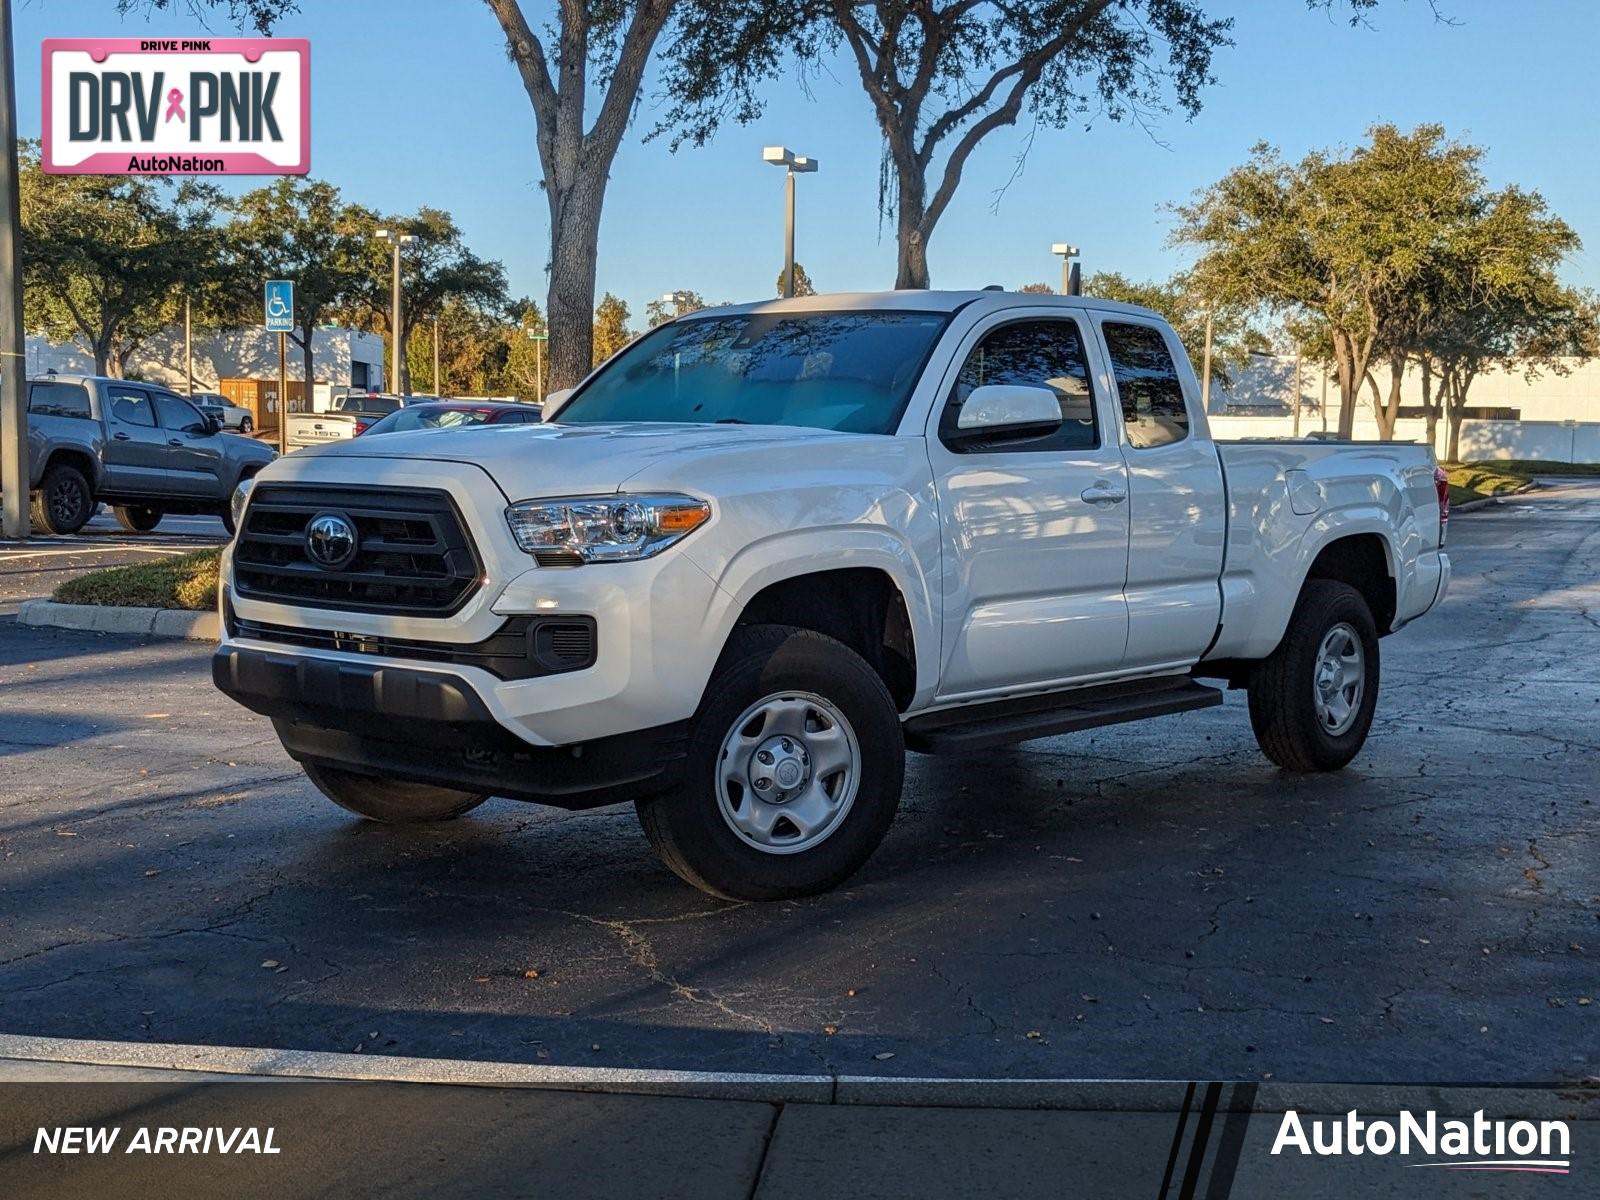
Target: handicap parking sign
column 280, row 305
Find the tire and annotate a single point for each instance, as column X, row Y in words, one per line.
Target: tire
column 775, row 684
column 1302, row 708
column 137, row 518
column 392, row 801
column 64, row 502
column 246, row 424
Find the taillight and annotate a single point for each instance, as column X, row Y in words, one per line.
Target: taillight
column 1441, row 487
column 361, row 427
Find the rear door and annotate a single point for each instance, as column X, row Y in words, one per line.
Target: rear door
column 1177, row 505
column 136, row 444
column 1035, row 532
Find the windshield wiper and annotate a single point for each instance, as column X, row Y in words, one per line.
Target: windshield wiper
column 730, row 421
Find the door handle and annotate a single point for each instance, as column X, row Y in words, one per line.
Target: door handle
column 122, row 437
column 1103, row 493
column 174, row 442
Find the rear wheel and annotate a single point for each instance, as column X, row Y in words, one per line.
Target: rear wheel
column 64, row 502
column 392, row 801
column 137, row 518
column 1312, row 699
column 246, row 424
column 794, row 770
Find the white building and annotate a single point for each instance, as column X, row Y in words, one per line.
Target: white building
column 345, row 359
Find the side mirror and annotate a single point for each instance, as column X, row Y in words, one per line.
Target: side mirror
column 1008, row 410
column 213, row 423
column 553, row 403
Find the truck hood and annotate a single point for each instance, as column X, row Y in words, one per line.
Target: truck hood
column 554, row 460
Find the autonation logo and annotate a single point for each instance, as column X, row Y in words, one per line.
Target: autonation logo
column 1476, row 1145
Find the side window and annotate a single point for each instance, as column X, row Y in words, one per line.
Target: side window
column 1153, row 411
column 58, row 399
column 1038, row 354
column 131, row 407
column 180, row 416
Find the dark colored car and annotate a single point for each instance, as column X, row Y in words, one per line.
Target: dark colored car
column 139, row 447
column 452, row 414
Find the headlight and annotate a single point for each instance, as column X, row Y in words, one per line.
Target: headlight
column 241, row 497
column 604, row 528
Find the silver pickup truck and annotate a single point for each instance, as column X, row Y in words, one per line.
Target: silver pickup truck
column 139, row 447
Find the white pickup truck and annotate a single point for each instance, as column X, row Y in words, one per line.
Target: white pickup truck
column 764, row 550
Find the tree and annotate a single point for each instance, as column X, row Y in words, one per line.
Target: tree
column 1037, row 289
column 526, row 365
column 659, row 312
column 106, row 257
column 435, row 268
column 300, row 229
column 611, row 332
column 615, row 37
column 1341, row 242
column 802, row 282
column 475, row 346
column 941, row 77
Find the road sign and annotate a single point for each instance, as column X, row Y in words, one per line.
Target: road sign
column 280, row 305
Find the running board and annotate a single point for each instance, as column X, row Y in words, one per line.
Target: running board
column 1000, row 722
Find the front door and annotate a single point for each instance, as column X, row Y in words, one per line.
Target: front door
column 1036, row 531
column 136, row 445
column 194, row 453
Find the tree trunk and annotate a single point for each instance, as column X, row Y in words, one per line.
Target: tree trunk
column 1429, row 413
column 569, row 306
column 1349, row 384
column 1389, row 412
column 303, row 339
column 911, row 232
column 1385, row 430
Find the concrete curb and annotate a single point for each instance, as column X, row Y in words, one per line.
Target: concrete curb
column 105, row 618
column 64, row 1059
column 1473, row 505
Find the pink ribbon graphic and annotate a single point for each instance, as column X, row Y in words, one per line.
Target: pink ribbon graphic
column 175, row 105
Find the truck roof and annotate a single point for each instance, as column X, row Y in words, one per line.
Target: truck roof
column 922, row 301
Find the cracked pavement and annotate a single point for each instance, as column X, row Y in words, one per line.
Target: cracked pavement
column 1146, row 901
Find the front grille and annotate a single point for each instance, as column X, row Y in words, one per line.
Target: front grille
column 413, row 556
column 525, row 647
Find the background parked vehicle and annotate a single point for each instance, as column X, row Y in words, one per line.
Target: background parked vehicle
column 347, row 417
column 453, row 414
column 232, row 416
column 141, row 448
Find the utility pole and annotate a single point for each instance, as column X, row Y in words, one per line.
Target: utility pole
column 188, row 349
column 396, row 240
column 438, row 389
column 1205, row 378
column 13, row 349
column 1071, row 269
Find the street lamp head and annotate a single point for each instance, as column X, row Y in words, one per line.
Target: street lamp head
column 1064, row 249
column 778, row 156
column 382, row 235
column 802, row 163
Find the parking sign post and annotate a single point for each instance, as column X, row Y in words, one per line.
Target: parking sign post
column 13, row 349
column 278, row 301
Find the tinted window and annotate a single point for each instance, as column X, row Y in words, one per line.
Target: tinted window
column 1153, row 411
column 427, row 417
column 1047, row 354
column 847, row 371
column 58, row 399
column 181, row 416
column 132, row 407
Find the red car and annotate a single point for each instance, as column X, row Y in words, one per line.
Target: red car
column 451, row 414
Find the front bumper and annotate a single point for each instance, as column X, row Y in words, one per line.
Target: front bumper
column 432, row 726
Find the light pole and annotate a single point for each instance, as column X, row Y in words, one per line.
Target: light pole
column 1071, row 278
column 677, row 300
column 538, row 340
column 13, row 347
column 794, row 164
column 396, row 240
column 437, row 390
column 1205, row 378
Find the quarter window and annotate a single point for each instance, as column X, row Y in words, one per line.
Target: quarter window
column 1047, row 354
column 1153, row 411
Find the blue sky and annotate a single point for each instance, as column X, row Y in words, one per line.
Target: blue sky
column 1523, row 86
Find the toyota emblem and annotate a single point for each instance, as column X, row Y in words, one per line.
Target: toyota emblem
column 331, row 540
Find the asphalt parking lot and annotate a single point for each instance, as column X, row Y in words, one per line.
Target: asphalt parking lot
column 1150, row 901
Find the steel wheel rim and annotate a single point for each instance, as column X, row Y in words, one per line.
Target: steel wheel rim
column 64, row 502
column 1339, row 679
column 788, row 772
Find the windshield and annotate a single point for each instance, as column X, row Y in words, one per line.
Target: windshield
column 852, row 372
column 430, row 418
column 366, row 404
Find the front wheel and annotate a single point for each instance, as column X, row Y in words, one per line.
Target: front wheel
column 1312, row 699
column 246, row 424
column 392, row 801
column 137, row 518
column 794, row 770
